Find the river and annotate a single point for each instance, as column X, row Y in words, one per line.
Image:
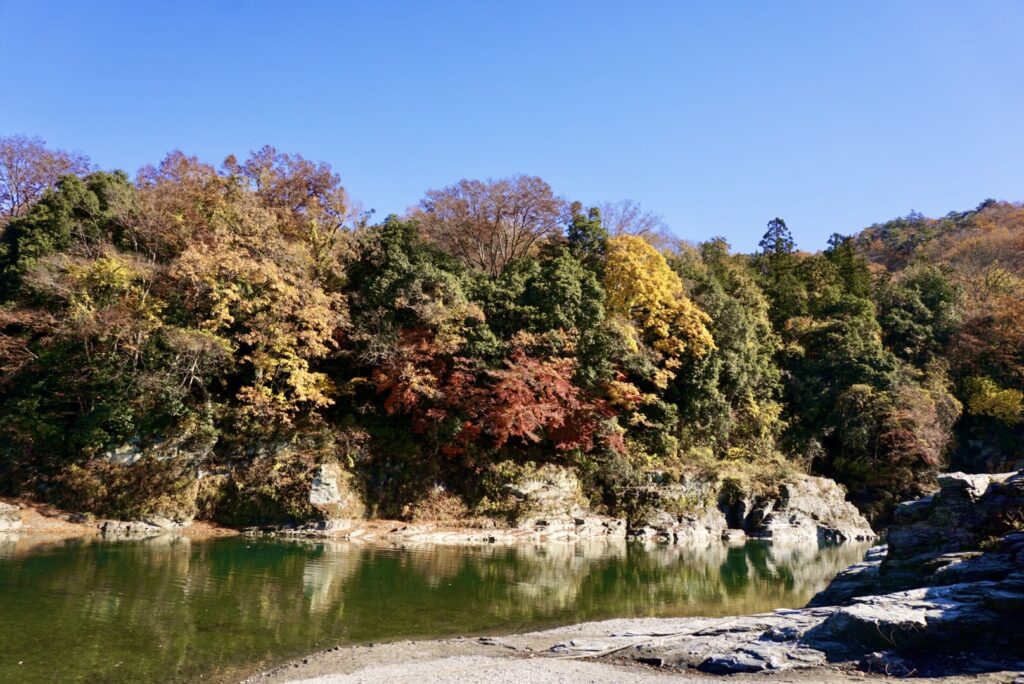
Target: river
column 170, row 610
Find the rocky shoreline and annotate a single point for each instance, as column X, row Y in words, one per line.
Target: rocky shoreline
column 546, row 506
column 637, row 650
column 807, row 509
column 945, row 599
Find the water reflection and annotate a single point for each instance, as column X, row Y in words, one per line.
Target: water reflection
column 170, row 609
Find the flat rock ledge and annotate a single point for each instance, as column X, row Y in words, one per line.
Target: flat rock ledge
column 927, row 630
column 140, row 529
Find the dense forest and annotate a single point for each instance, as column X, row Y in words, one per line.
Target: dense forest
column 204, row 336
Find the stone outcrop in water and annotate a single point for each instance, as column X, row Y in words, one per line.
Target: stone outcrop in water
column 808, row 509
column 139, row 529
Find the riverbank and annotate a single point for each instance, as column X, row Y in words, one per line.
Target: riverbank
column 952, row 576
column 36, row 522
column 945, row 600
column 547, row 508
column 604, row 651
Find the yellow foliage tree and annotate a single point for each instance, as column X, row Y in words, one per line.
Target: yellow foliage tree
column 986, row 398
column 255, row 290
column 641, row 288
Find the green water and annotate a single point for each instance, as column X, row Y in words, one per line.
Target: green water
column 164, row 611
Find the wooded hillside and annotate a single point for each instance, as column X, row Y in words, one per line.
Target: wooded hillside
column 205, row 336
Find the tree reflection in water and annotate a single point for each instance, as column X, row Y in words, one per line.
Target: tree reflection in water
column 170, row 609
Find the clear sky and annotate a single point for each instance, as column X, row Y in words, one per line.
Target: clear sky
column 718, row 116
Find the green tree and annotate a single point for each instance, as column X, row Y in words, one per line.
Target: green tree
column 919, row 312
column 729, row 400
column 80, row 212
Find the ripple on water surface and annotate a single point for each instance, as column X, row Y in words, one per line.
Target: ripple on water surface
column 174, row 610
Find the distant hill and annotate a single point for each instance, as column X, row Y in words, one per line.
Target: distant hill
column 966, row 240
column 982, row 252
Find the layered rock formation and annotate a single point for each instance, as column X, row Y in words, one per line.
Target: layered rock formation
column 332, row 495
column 546, row 503
column 949, row 537
column 139, row 529
column 809, row 509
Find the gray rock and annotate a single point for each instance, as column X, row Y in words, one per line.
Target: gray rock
column 136, row 529
column 331, row 494
column 129, row 453
column 733, row 663
column 936, row 541
column 952, row 519
column 10, row 517
column 874, row 623
column 936, row 589
column 546, row 492
column 891, row 633
column 702, row 526
column 809, row 509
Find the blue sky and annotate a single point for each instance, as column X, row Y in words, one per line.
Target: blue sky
column 718, row 116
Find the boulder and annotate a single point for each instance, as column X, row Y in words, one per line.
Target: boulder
column 677, row 512
column 928, row 620
column 701, row 526
column 10, row 517
column 137, row 529
column 809, row 509
column 128, row 453
column 949, row 520
column 331, row 494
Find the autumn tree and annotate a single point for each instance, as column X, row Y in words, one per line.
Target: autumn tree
column 892, row 442
column 310, row 202
column 642, row 290
column 628, row 217
column 488, row 224
column 28, row 169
